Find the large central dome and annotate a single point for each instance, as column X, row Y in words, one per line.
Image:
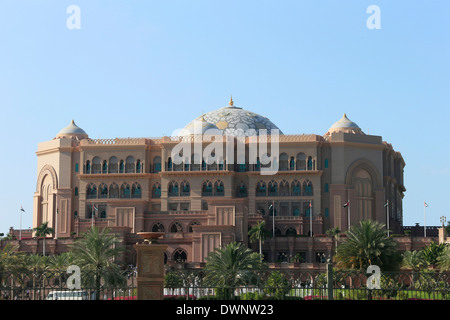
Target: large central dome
column 230, row 120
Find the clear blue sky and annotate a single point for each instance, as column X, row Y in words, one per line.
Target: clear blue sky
column 146, row 68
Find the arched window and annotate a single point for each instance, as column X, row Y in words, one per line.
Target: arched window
column 194, row 223
column 158, row 227
column 176, row 227
column 207, row 189
column 179, row 255
column 186, row 164
column 301, row 161
column 96, row 165
column 195, row 162
column 156, row 190
column 169, row 164
column 218, row 189
column 113, row 166
column 221, row 163
column 113, row 191
column 211, row 166
column 284, row 162
column 88, row 167
column 125, row 190
column 91, row 191
column 310, row 163
column 104, row 167
column 173, row 189
column 157, row 164
column 138, row 166
column 203, row 165
column 241, row 191
column 136, row 191
column 296, row 188
column 326, row 163
column 284, row 188
column 185, row 189
column 129, row 165
column 121, row 167
column 291, row 231
column 179, row 166
column 261, row 189
column 76, row 167
column 76, row 191
column 273, row 188
column 292, row 164
column 307, row 188
column 364, row 192
column 103, row 191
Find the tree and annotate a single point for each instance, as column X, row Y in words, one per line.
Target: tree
column 259, row 233
column 367, row 244
column 230, row 267
column 277, row 285
column 42, row 231
column 432, row 252
column 413, row 260
column 443, row 261
column 94, row 253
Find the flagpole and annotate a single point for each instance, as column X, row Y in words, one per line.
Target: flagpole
column 20, row 230
column 348, row 212
column 387, row 218
column 56, row 224
column 310, row 218
column 273, row 218
column 424, row 220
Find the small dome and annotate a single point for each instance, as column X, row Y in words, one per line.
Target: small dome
column 72, row 131
column 231, row 120
column 198, row 126
column 344, row 125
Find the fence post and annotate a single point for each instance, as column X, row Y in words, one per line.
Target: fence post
column 150, row 270
column 330, row 279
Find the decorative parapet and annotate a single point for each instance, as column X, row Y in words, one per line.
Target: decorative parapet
column 120, row 141
column 115, row 141
column 197, row 138
column 182, row 212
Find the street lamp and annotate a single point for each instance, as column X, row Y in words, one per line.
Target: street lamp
column 443, row 220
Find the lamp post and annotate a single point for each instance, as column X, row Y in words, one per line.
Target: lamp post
column 443, row 220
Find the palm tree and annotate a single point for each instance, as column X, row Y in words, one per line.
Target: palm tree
column 42, row 231
column 95, row 253
column 59, row 263
column 335, row 232
column 432, row 252
column 367, row 244
column 443, row 261
column 259, row 233
column 413, row 260
column 231, row 266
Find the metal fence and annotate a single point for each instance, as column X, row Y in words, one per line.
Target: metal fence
column 227, row 285
column 61, row 285
column 308, row 285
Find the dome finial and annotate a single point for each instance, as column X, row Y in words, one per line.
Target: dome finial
column 231, row 100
